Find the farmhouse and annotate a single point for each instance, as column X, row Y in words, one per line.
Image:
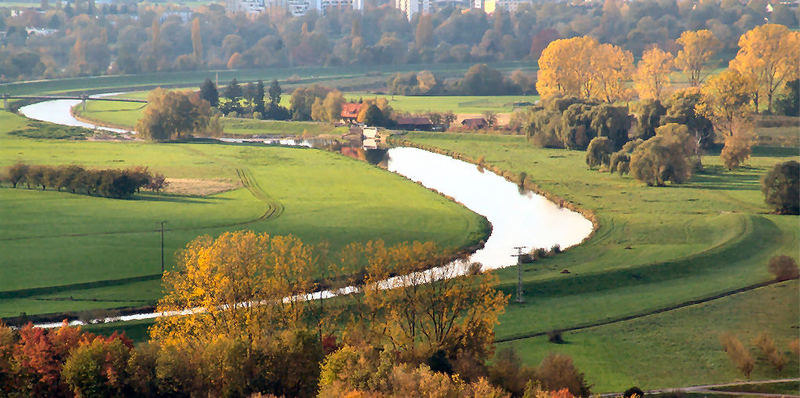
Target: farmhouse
column 414, row 123
column 350, row 112
column 475, row 123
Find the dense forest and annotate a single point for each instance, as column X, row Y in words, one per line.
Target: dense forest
column 121, row 38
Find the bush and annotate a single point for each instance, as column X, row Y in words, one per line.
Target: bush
column 658, row 160
column 781, row 188
column 633, row 392
column 599, row 152
column 557, row 371
column 738, row 354
column 508, row 372
column 767, row 347
column 109, row 183
column 783, row 267
column 555, row 337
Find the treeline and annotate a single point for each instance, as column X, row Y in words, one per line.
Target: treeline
column 478, row 80
column 315, row 102
column 109, row 183
column 123, row 38
column 582, row 81
column 430, row 334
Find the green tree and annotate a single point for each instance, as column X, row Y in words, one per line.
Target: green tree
column 172, row 115
column 598, row 152
column 208, row 92
column 781, row 187
column 648, row 117
column 233, row 91
column 659, row 160
column 275, row 92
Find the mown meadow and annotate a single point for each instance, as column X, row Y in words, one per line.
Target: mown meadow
column 81, row 252
column 655, row 247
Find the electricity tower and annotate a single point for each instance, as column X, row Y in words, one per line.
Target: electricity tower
column 519, row 272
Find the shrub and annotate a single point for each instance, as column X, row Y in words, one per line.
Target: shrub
column 109, row 183
column 736, row 150
column 738, row 354
column 767, row 347
column 660, row 159
column 783, row 267
column 557, row 371
column 633, row 392
column 599, row 152
column 17, row 173
column 508, row 372
column 781, row 187
column 794, row 346
column 555, row 337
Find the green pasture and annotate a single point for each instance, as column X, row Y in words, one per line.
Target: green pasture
column 655, row 246
column 79, row 250
column 454, row 103
column 681, row 348
column 126, row 114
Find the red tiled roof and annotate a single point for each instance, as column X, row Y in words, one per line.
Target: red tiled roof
column 351, row 110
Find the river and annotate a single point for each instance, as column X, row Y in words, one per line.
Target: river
column 518, row 218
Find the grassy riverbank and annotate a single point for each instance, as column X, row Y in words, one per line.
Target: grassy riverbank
column 655, row 247
column 54, row 240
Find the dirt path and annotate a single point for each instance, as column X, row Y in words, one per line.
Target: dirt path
column 710, row 389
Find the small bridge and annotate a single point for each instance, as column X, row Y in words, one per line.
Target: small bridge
column 83, row 98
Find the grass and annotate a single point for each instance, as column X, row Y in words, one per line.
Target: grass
column 457, row 103
column 681, row 348
column 655, row 247
column 51, row 239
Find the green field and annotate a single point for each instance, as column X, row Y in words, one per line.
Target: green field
column 455, row 103
column 52, row 240
column 654, row 248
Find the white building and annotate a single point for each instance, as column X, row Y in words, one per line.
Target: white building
column 245, row 6
column 412, row 7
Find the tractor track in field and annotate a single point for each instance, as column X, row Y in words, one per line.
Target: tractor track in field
column 661, row 310
column 274, row 210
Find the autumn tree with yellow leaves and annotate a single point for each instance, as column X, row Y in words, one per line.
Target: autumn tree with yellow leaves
column 582, row 67
column 652, row 74
column 725, row 99
column 769, row 56
column 697, row 49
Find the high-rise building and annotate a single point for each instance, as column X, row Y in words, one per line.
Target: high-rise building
column 295, row 7
column 412, row 7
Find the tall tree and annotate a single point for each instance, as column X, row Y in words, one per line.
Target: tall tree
column 258, row 98
column 423, row 36
column 208, row 92
column 652, row 74
column 565, row 67
column 233, row 91
column 197, row 41
column 769, row 56
column 611, row 68
column 724, row 102
column 275, row 92
column 697, row 49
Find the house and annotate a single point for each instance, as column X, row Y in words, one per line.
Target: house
column 474, row 123
column 414, row 123
column 350, row 112
column 370, row 132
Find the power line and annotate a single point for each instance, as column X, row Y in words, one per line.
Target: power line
column 519, row 255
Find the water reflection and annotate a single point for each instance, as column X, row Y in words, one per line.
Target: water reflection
column 518, row 218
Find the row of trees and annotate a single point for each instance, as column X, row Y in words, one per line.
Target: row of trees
column 248, row 326
column 246, row 101
column 478, row 80
column 110, row 183
column 147, row 38
column 583, row 67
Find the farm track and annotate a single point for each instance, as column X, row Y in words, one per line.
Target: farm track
column 274, row 209
column 756, row 232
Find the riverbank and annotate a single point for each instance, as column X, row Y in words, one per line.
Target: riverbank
column 653, row 248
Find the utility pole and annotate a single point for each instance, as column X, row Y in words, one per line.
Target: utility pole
column 519, row 272
column 162, row 246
